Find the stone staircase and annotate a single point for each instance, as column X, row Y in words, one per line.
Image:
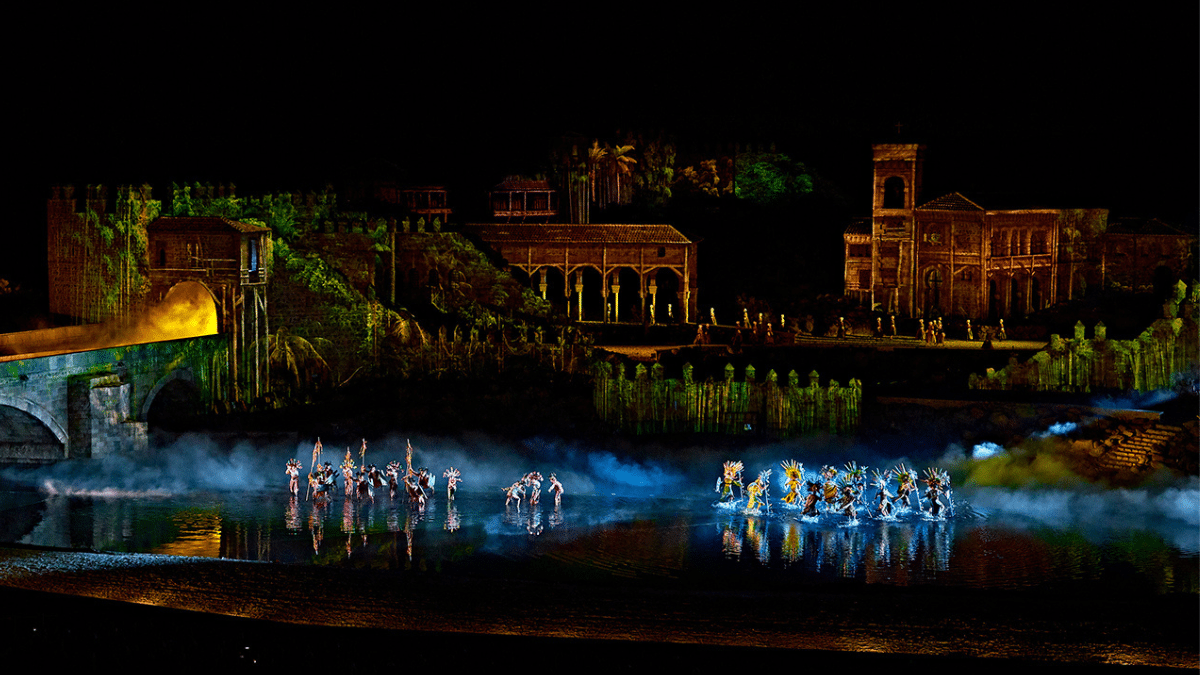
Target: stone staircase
column 1139, row 446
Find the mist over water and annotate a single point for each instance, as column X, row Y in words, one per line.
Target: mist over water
column 1028, row 481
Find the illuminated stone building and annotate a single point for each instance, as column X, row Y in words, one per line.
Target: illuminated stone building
column 627, row 273
column 226, row 258
column 952, row 256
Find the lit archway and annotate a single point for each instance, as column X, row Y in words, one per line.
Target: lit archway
column 188, row 310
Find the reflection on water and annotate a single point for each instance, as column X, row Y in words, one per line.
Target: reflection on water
column 618, row 538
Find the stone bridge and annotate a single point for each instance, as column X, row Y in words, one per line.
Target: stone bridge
column 100, row 402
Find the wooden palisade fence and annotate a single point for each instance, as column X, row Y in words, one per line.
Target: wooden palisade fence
column 648, row 403
column 1156, row 359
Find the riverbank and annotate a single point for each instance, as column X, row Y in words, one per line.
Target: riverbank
column 90, row 608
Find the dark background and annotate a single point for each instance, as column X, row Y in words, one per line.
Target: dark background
column 1018, row 109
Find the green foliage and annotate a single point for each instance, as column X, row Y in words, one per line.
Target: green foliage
column 770, row 177
column 276, row 212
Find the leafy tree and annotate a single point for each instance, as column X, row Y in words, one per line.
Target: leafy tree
column 769, row 177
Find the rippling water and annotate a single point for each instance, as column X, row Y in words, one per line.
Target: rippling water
column 1007, row 540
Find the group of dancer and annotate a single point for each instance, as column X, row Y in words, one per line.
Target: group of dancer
column 841, row 492
column 360, row 482
column 529, row 487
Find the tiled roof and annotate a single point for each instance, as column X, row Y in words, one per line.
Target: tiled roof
column 522, row 185
column 859, row 226
column 951, row 202
column 203, row 224
column 576, row 234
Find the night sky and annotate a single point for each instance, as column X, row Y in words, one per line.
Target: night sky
column 1017, row 109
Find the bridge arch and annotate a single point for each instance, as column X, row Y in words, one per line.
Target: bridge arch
column 42, row 415
column 185, row 378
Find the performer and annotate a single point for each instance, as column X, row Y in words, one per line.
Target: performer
column 731, row 476
column 857, row 476
column 906, row 485
column 829, row 488
column 375, row 476
column 318, row 487
column 759, row 489
column 513, row 493
column 933, row 479
column 849, row 495
column 393, row 474
column 316, row 460
column 453, row 478
column 293, row 470
column 883, row 507
column 556, row 489
column 348, row 475
column 365, row 490
column 815, row 489
column 413, row 487
column 533, row 480
column 327, row 473
column 793, row 480
column 425, row 480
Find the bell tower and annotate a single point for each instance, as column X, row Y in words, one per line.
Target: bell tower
column 897, row 186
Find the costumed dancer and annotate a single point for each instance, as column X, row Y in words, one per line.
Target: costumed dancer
column 453, row 477
column 849, row 496
column 365, row 489
column 348, row 474
column 514, row 493
column 933, row 479
column 533, row 480
column 316, row 459
column 556, row 489
column 906, row 485
column 293, row 470
column 375, row 476
column 883, row 507
column 393, row 474
column 759, row 489
column 327, row 474
column 425, row 480
column 415, row 494
column 830, row 488
column 318, row 487
column 857, row 475
column 793, row 480
column 815, row 490
column 732, row 475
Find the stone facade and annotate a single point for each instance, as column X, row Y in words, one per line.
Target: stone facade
column 229, row 259
column 625, row 272
column 953, row 257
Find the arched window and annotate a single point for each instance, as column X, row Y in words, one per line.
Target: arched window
column 933, row 291
column 893, row 193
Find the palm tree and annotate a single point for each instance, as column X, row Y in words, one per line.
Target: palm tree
column 596, row 155
column 296, row 357
column 621, row 164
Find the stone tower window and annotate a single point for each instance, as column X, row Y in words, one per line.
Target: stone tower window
column 893, row 193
